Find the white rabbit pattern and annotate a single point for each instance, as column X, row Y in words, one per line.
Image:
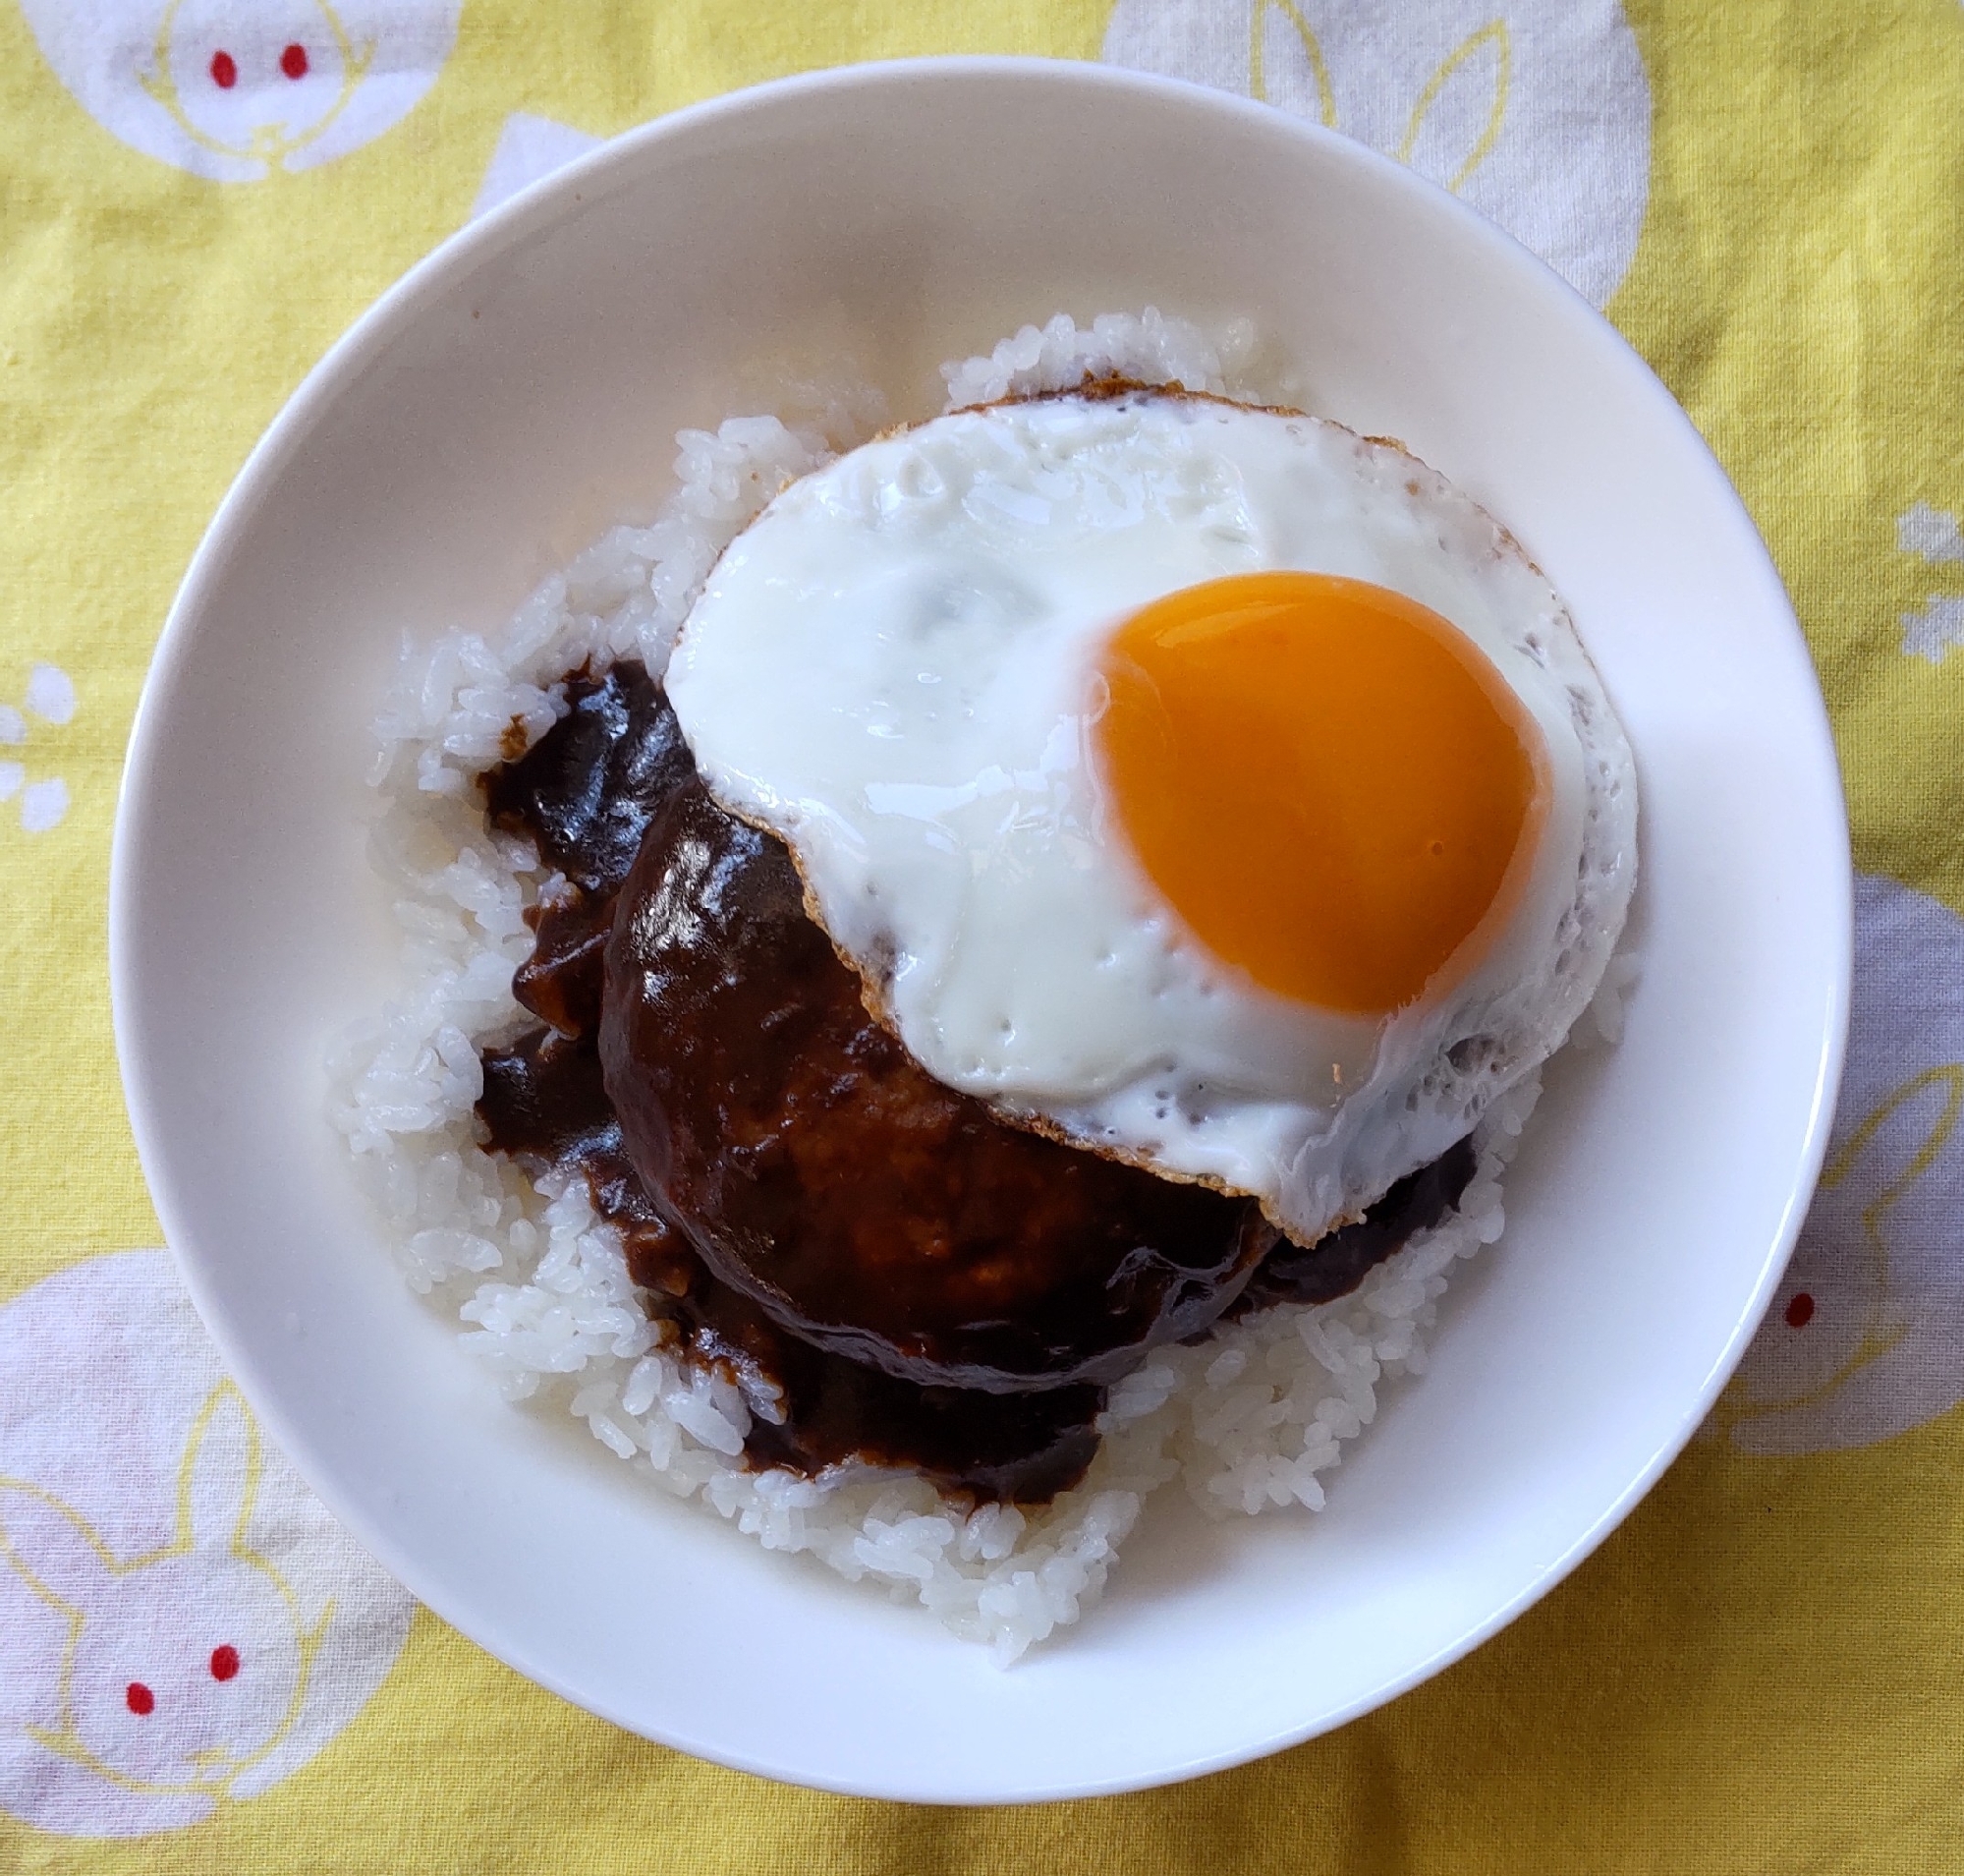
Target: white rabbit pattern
column 1863, row 1339
column 198, row 1627
column 185, row 1667
column 1537, row 112
column 237, row 91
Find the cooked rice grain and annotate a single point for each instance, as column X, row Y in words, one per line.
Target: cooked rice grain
column 1252, row 1419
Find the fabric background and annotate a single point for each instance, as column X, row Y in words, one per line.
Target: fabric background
column 1762, row 1670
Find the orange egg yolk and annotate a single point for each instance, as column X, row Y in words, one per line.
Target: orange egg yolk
column 1328, row 782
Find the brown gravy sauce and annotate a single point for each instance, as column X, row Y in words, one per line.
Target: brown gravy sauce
column 867, row 1207
column 794, row 1145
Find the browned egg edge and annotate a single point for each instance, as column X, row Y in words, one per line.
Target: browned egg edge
column 872, row 992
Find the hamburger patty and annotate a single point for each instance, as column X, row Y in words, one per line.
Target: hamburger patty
column 863, row 1205
column 893, row 1273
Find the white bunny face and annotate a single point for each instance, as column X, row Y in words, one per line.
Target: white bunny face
column 186, row 1666
column 182, row 1625
column 262, row 84
column 243, row 93
column 159, row 1690
column 1860, row 1342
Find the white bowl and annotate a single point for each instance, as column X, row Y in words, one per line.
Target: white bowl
column 518, row 390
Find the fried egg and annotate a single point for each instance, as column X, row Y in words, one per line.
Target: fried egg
column 1206, row 785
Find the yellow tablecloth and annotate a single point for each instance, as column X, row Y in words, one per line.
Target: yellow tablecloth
column 1763, row 1670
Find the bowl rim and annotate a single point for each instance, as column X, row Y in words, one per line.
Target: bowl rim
column 479, row 241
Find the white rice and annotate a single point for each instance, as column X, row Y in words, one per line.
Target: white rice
column 1250, row 1420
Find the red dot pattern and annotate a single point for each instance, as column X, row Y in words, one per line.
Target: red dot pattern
column 293, row 61
column 224, row 75
column 1800, row 1312
column 224, row 1662
column 140, row 1699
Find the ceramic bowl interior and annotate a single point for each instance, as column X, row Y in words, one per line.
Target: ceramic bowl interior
column 522, row 389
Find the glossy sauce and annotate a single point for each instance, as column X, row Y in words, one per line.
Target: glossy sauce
column 863, row 1205
column 908, row 1278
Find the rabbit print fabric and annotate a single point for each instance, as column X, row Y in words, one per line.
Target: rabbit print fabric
column 1866, row 1336
column 1757, row 1670
column 238, row 94
column 1538, row 114
column 183, row 1625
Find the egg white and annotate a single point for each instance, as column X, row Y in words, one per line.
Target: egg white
column 890, row 670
